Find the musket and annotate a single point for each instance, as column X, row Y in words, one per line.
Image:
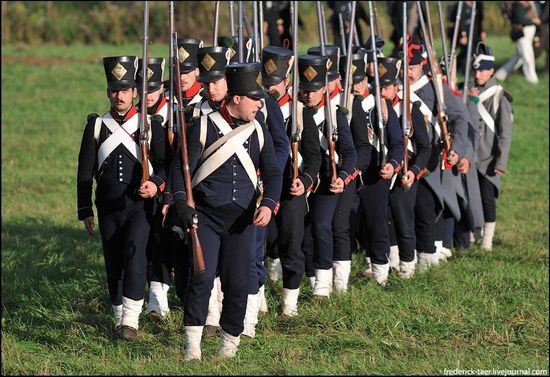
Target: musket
column 216, row 17
column 144, row 126
column 296, row 129
column 171, row 92
column 455, row 33
column 429, row 23
column 198, row 259
column 444, row 41
column 342, row 33
column 261, row 24
column 347, row 98
column 378, row 32
column 406, row 122
column 332, row 134
column 231, row 20
column 256, row 31
column 469, row 54
column 354, row 28
column 240, row 32
column 381, row 119
column 437, row 82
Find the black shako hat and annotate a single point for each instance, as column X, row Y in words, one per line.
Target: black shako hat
column 233, row 44
column 276, row 64
column 187, row 53
column 333, row 52
column 244, row 79
column 155, row 72
column 358, row 66
column 120, row 72
column 212, row 62
column 312, row 71
column 388, row 69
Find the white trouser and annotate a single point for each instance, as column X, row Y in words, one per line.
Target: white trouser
column 525, row 56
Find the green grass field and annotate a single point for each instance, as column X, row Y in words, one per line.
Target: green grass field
column 479, row 311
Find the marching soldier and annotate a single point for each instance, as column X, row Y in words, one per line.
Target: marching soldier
column 496, row 117
column 335, row 171
column 341, row 223
column 212, row 63
column 289, row 221
column 376, row 177
column 225, row 149
column 403, row 193
column 430, row 196
column 110, row 153
column 161, row 252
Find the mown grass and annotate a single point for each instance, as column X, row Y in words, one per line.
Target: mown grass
column 482, row 310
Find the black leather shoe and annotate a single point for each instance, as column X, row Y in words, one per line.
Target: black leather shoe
column 117, row 332
column 128, row 333
column 210, row 331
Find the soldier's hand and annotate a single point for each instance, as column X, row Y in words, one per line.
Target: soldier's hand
column 183, row 215
column 408, row 179
column 262, row 216
column 89, row 224
column 297, row 188
column 452, row 158
column 147, row 190
column 463, row 165
column 387, row 171
column 337, row 186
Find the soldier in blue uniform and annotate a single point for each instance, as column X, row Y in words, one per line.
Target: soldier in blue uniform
column 110, row 153
column 403, row 192
column 160, row 249
column 225, row 150
column 288, row 232
column 376, row 177
column 341, row 221
column 334, row 172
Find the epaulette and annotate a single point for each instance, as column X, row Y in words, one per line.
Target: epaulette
column 361, row 97
column 189, row 108
column 194, row 118
column 157, row 118
column 417, row 103
column 343, row 110
column 91, row 116
column 315, row 109
column 202, row 93
column 474, row 99
column 508, row 96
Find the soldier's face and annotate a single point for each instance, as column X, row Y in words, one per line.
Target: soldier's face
column 482, row 76
column 153, row 97
column 121, row 100
column 280, row 87
column 188, row 79
column 415, row 73
column 359, row 88
column 389, row 92
column 313, row 97
column 217, row 90
column 245, row 108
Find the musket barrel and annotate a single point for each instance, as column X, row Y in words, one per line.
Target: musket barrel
column 469, row 54
column 377, row 91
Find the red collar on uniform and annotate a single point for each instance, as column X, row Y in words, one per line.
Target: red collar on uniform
column 284, row 99
column 225, row 114
column 192, row 92
column 335, row 92
column 131, row 112
column 395, row 101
